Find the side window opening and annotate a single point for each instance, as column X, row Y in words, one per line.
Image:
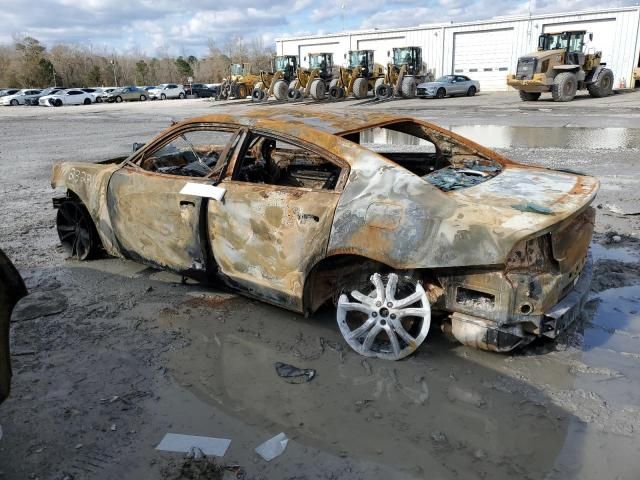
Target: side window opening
column 443, row 161
column 195, row 153
column 270, row 161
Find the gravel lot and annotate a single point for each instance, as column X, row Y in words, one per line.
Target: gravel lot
column 119, row 354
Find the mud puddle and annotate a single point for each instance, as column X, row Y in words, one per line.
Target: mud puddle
column 568, row 138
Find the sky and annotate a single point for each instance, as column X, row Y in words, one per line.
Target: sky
column 181, row 27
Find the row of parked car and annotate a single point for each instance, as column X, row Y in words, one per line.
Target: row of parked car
column 58, row 96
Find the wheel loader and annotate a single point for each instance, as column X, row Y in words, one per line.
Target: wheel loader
column 240, row 82
column 312, row 81
column 276, row 82
column 561, row 67
column 358, row 77
column 403, row 74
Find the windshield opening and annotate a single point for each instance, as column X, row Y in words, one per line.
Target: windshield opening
column 360, row 58
column 556, row 41
column 321, row 61
column 236, row 69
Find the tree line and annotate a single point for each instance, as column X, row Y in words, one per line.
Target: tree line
column 27, row 63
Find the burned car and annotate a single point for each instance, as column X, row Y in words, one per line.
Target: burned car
column 12, row 289
column 395, row 220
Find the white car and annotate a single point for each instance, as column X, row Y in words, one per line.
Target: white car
column 96, row 93
column 73, row 96
column 167, row 90
column 19, row 98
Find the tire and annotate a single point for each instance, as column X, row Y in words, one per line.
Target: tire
column 318, row 89
column 242, row 91
column 195, row 95
column 258, row 95
column 162, row 97
column 384, row 91
column 57, row 102
column 181, row 96
column 360, row 88
column 280, row 90
column 441, row 93
column 408, row 87
column 99, row 100
column 119, row 98
column 14, row 103
column 603, row 86
column 336, row 92
column 529, row 96
column 87, row 101
column 77, row 233
column 564, row 87
column 143, row 98
column 379, row 81
column 471, row 91
column 293, row 95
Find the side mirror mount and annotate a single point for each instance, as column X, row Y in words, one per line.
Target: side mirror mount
column 137, row 146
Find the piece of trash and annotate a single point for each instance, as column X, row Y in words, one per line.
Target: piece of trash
column 293, row 374
column 113, row 427
column 176, row 442
column 195, row 453
column 530, row 207
column 273, row 447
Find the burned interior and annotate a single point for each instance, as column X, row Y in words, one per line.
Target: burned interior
column 398, row 221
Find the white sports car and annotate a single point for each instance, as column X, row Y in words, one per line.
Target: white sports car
column 66, row 97
column 19, row 98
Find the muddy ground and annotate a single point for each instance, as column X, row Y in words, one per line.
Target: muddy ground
column 110, row 355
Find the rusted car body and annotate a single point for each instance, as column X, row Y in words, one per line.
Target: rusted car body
column 300, row 207
column 12, row 289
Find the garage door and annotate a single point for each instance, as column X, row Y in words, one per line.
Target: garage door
column 604, row 34
column 333, row 47
column 484, row 56
column 381, row 46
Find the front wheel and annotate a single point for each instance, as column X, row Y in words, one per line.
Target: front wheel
column 390, row 322
column 408, row 87
column 76, row 231
column 564, row 87
column 57, row 102
column 14, row 103
column 143, row 98
column 163, row 97
column 441, row 93
column 118, row 99
column 181, row 96
column 529, row 96
column 318, row 89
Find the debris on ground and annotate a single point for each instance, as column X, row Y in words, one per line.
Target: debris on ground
column 39, row 304
column 293, row 374
column 199, row 467
column 175, row 442
column 272, row 448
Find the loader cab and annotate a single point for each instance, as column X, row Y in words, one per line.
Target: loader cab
column 323, row 62
column 409, row 56
column 361, row 59
column 571, row 42
column 287, row 64
column 237, row 69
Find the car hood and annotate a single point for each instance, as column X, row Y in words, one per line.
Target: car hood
column 431, row 84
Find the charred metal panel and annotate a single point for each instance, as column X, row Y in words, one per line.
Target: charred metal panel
column 89, row 182
column 266, row 238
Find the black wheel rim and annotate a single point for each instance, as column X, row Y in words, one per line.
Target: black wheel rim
column 74, row 230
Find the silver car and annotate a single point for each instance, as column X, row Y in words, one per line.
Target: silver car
column 448, row 85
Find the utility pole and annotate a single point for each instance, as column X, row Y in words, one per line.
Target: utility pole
column 113, row 64
column 53, row 71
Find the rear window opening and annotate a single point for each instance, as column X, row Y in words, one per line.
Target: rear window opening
column 440, row 160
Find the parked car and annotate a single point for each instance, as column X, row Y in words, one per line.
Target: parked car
column 167, row 90
column 449, row 85
column 12, row 289
column 95, row 93
column 9, row 91
column 200, row 90
column 34, row 100
column 126, row 93
column 19, row 98
column 72, row 96
column 302, row 207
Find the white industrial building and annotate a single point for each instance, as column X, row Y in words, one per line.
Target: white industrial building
column 487, row 50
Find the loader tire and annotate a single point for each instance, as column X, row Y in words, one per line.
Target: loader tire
column 603, row 86
column 333, row 83
column 336, row 92
column 529, row 96
column 360, row 88
column 408, row 87
column 564, row 87
column 318, row 89
column 379, row 81
column 258, row 95
column 384, row 91
column 280, row 90
column 293, row 95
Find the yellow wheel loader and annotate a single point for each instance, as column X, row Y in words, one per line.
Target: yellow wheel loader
column 358, row 78
column 403, row 74
column 312, row 81
column 240, row 81
column 277, row 81
column 561, row 66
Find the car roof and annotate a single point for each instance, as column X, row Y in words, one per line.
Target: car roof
column 324, row 121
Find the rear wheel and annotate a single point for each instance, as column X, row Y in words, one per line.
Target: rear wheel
column 318, row 89
column 529, row 96
column 76, row 231
column 57, row 102
column 143, row 98
column 471, row 91
column 280, row 90
column 564, row 87
column 99, row 100
column 360, row 88
column 603, row 86
column 408, row 87
column 181, row 95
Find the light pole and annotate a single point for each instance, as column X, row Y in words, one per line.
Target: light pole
column 113, row 64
